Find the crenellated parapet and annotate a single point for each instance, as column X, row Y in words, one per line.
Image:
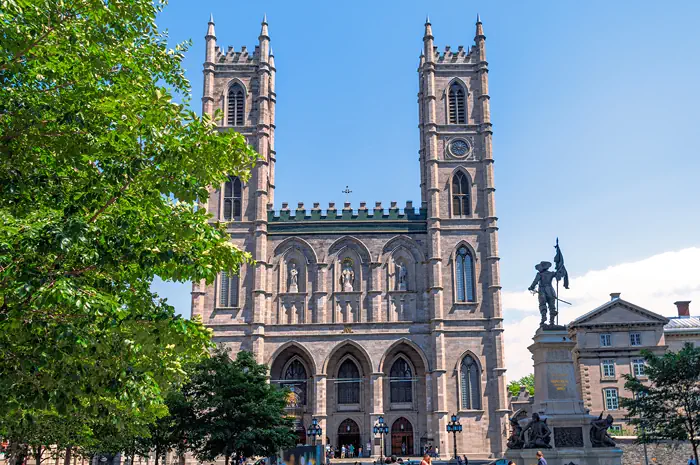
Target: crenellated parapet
column 242, row 56
column 462, row 55
column 346, row 219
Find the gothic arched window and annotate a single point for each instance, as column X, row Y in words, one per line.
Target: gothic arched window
column 348, row 383
column 460, row 195
column 470, row 384
column 296, row 373
column 457, row 102
column 464, row 271
column 228, row 290
column 401, row 382
column 232, row 198
column 236, row 106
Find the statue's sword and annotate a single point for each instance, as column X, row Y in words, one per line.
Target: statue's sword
column 557, row 298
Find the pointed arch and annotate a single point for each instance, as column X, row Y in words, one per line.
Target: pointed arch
column 297, row 243
column 293, row 346
column 235, row 103
column 401, row 375
column 457, row 94
column 405, row 242
column 459, row 187
column 403, row 341
column 464, row 280
column 350, row 241
column 344, row 345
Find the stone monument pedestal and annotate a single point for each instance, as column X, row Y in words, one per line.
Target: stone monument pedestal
column 559, row 403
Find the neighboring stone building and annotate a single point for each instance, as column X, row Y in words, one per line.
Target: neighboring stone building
column 370, row 312
column 609, row 341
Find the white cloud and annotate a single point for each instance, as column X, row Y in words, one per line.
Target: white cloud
column 653, row 283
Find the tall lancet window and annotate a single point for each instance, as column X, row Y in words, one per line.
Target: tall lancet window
column 401, row 381
column 460, row 195
column 470, row 384
column 236, row 106
column 228, row 290
column 464, row 269
column 232, row 198
column 348, row 383
column 457, row 101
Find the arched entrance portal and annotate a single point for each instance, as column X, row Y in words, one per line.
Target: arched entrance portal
column 349, row 433
column 402, row 437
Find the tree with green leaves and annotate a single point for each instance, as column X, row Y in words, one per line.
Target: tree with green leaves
column 101, row 177
column 667, row 407
column 237, row 412
column 527, row 381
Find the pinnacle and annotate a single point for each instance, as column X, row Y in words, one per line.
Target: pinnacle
column 264, row 21
column 478, row 18
column 427, row 19
column 211, row 18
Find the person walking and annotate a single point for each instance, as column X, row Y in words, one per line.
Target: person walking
column 691, row 461
column 426, row 459
column 540, row 458
column 343, row 450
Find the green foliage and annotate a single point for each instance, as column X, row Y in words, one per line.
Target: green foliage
column 101, row 173
column 527, row 381
column 668, row 406
column 234, row 410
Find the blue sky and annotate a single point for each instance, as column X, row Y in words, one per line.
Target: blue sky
column 594, row 105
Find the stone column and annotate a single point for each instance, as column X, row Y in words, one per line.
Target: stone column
column 320, row 407
column 377, row 393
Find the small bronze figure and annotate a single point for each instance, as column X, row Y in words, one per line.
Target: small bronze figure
column 599, row 432
column 539, row 433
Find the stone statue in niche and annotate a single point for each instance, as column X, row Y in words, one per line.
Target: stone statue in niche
column 293, row 285
column 401, row 277
column 539, row 433
column 347, row 277
column 599, row 431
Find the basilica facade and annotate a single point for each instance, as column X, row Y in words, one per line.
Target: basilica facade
column 375, row 311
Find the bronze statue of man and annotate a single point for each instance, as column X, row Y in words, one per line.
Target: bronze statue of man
column 546, row 294
column 539, row 433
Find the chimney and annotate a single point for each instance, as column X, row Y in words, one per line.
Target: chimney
column 683, row 308
column 614, row 295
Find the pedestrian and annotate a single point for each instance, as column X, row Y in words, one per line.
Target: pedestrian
column 437, row 451
column 691, row 461
column 351, row 447
column 540, row 458
column 403, row 448
column 359, row 452
column 426, row 459
column 466, row 460
column 342, row 452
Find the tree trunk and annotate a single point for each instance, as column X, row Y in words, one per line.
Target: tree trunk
column 66, row 459
column 37, row 454
column 694, row 443
column 228, row 457
column 157, row 456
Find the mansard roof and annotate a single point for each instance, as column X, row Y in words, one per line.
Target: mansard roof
column 682, row 324
column 646, row 316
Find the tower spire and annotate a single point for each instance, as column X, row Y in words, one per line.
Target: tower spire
column 263, row 29
column 428, row 41
column 210, row 28
column 479, row 29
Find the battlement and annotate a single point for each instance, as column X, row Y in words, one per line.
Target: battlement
column 234, row 57
column 347, row 213
column 462, row 55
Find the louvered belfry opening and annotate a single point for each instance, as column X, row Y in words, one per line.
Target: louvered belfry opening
column 458, row 112
column 236, row 106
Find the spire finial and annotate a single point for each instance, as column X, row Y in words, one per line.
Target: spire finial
column 210, row 28
column 211, row 18
column 264, row 21
column 478, row 19
column 263, row 28
column 427, row 19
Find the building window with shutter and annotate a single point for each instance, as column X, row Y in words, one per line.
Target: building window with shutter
column 457, row 104
column 460, row 195
column 470, row 380
column 608, row 368
column 611, row 399
column 464, row 271
column 236, row 106
column 232, row 199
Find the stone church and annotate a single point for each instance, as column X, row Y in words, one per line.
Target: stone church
column 374, row 311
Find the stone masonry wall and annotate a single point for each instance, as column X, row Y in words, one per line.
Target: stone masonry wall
column 664, row 453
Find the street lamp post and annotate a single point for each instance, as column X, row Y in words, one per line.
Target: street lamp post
column 454, row 427
column 381, row 428
column 314, row 430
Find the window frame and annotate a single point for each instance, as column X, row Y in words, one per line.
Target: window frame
column 233, row 291
column 461, row 277
column 637, row 362
column 603, row 337
column 236, row 200
column 607, row 398
column 466, row 197
column 635, row 336
column 464, row 99
column 237, row 117
column 400, row 383
column 607, row 368
column 470, row 391
column 357, row 384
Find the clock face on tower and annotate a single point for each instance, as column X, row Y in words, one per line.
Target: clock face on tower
column 459, row 148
